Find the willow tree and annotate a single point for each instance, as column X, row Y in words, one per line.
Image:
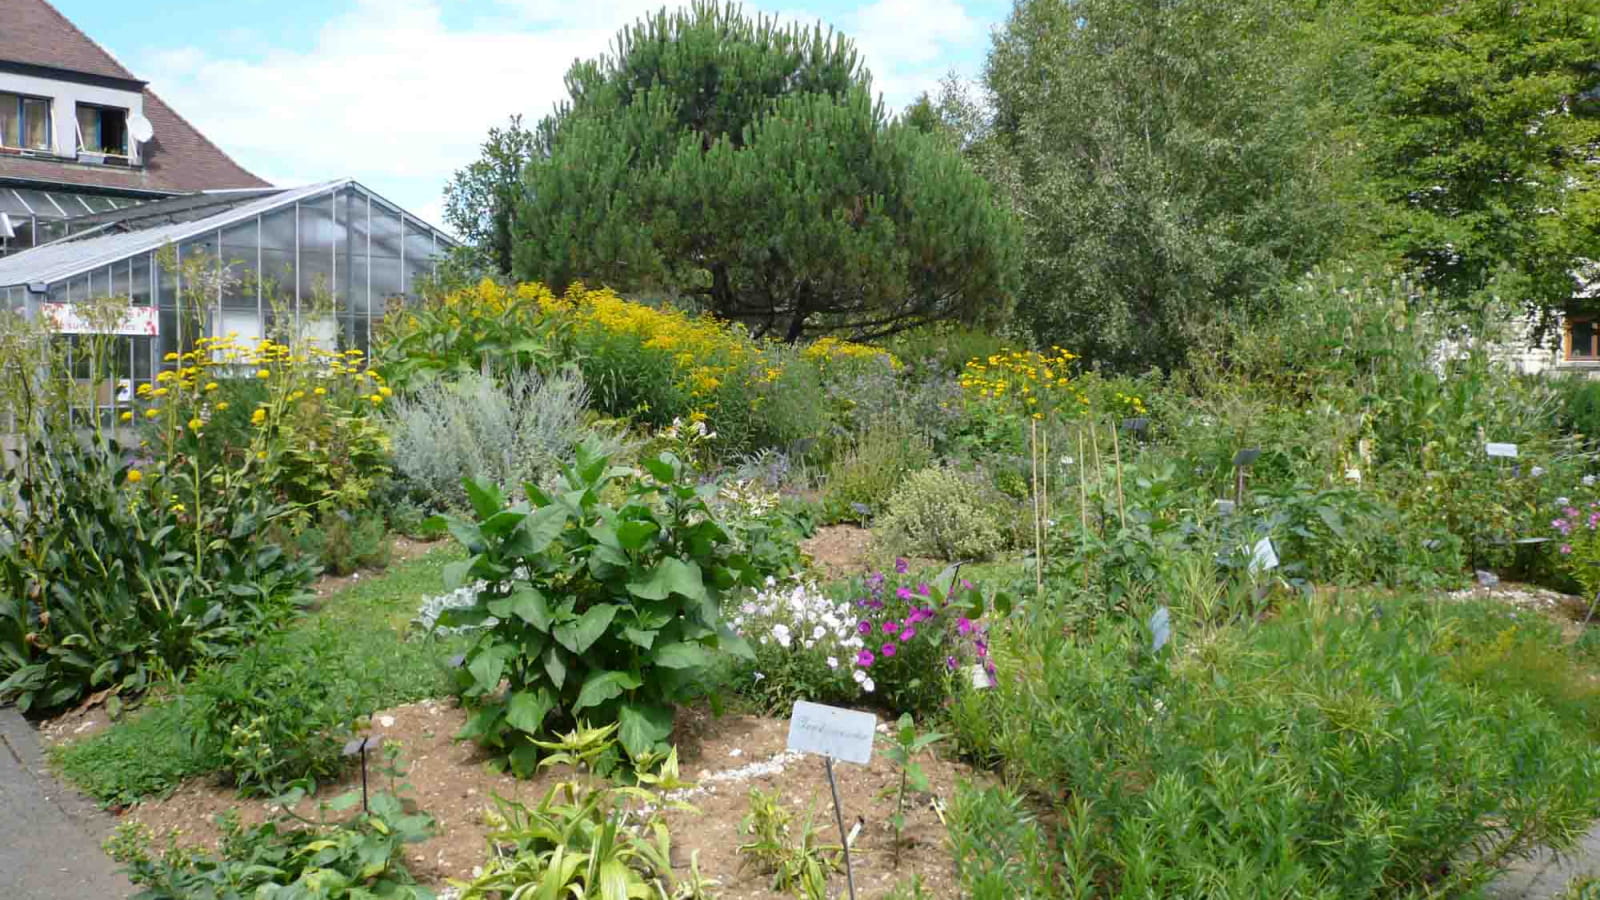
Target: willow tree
column 743, row 165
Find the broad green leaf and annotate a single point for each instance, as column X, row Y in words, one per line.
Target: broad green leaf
column 486, row 669
column 640, row 636
column 579, row 635
column 681, row 656
column 602, row 686
column 528, row 604
column 661, row 468
column 455, row 574
column 467, row 534
column 527, row 709
column 485, row 496
column 501, row 522
column 642, row 726
column 555, row 666
column 670, row 576
column 536, row 532
column 634, row 533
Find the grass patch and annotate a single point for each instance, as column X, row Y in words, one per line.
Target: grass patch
column 357, row 656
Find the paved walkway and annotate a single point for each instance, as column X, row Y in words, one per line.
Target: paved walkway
column 49, row 835
column 1546, row 875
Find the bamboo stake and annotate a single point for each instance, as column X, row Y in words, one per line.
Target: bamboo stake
column 1044, row 486
column 1116, row 450
column 1094, row 446
column 1038, row 530
column 1083, row 506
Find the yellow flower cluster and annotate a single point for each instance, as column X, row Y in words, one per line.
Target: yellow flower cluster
column 704, row 351
column 1028, row 380
column 1129, row 404
column 828, row 351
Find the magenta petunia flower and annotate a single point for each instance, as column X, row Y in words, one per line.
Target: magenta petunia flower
column 964, row 626
column 891, row 626
column 908, row 633
column 888, row 650
column 865, row 659
column 903, row 593
column 950, row 663
column 1566, row 548
column 864, row 626
column 901, row 566
column 923, row 589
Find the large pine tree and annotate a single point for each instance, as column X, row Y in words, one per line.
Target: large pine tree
column 744, row 166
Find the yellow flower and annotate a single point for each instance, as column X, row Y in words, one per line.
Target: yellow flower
column 263, row 373
column 135, row 476
column 320, row 391
column 195, row 423
column 178, row 508
column 127, row 417
column 296, row 395
column 376, row 399
column 152, row 412
column 166, row 375
column 386, row 392
column 222, row 405
column 171, row 357
column 143, row 391
column 211, row 385
column 261, row 454
column 259, row 417
column 161, row 392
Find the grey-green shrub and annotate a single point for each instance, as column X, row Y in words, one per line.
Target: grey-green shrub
column 860, row 481
column 944, row 514
column 508, row 430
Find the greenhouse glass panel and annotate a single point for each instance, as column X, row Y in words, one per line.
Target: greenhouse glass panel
column 139, row 275
column 316, row 255
column 239, row 251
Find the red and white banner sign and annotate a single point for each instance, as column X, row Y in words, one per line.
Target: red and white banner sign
column 140, row 321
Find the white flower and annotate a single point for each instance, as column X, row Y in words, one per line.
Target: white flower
column 818, row 632
column 859, row 675
column 1536, row 471
column 1588, row 481
column 868, row 685
column 1562, row 501
column 759, row 676
column 833, row 662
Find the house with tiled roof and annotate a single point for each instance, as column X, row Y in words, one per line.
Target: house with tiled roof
column 105, row 190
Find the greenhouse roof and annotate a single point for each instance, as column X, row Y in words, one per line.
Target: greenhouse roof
column 119, row 234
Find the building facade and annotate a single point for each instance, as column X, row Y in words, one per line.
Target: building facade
column 106, row 191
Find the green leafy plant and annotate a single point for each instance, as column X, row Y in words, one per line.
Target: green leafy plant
column 357, row 859
column 861, row 481
column 608, row 613
column 342, row 541
column 942, row 514
column 902, row 750
column 793, row 854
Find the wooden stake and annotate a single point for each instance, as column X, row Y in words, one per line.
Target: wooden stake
column 1044, row 486
column 1116, row 451
column 1038, row 531
column 1083, row 504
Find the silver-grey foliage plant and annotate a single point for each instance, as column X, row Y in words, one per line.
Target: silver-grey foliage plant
column 510, row 430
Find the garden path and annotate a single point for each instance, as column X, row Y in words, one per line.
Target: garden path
column 1546, row 875
column 49, row 835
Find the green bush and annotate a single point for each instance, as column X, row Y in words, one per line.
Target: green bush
column 603, row 613
column 361, row 858
column 1332, row 751
column 100, row 589
column 860, row 482
column 942, row 514
column 343, row 542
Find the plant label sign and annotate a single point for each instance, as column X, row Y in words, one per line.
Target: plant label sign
column 1508, row 451
column 1160, row 629
column 829, row 731
column 1264, row 557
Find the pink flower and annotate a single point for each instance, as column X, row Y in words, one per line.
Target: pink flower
column 864, row 626
column 865, row 658
column 903, row 593
column 1566, row 548
column 888, row 650
column 901, row 566
column 891, row 626
column 964, row 625
column 908, row 634
column 923, row 589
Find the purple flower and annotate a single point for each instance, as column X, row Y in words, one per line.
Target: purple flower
column 891, row 626
column 865, row 658
column 966, row 585
column 1566, row 548
column 864, row 626
column 888, row 650
column 950, row 663
column 908, row 633
column 964, row 626
column 901, row 566
column 982, row 647
column 923, row 589
column 903, row 593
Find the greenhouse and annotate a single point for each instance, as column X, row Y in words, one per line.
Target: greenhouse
column 322, row 261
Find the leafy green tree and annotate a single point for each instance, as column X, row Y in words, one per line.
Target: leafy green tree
column 1480, row 122
column 744, row 167
column 481, row 198
column 1165, row 162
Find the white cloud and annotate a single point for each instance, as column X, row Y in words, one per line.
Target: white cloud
column 392, row 95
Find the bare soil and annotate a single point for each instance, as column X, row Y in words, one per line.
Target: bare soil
column 839, row 551
column 723, row 757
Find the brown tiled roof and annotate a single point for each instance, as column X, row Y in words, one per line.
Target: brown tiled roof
column 34, row 32
column 179, row 158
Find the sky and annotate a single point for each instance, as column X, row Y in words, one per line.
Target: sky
column 400, row 93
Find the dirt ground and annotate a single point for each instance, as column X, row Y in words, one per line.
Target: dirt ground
column 839, row 551
column 723, row 758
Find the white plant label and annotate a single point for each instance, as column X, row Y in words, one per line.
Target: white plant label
column 1264, row 557
column 1160, row 629
column 1509, row 451
column 1224, row 507
column 843, row 734
column 979, row 677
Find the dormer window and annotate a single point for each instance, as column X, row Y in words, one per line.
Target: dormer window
column 24, row 122
column 102, row 130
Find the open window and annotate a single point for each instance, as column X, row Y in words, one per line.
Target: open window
column 1581, row 339
column 24, row 122
column 103, row 131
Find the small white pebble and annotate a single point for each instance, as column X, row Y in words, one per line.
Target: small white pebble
column 386, row 721
column 736, row 752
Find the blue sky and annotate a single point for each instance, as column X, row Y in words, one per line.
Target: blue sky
column 399, row 93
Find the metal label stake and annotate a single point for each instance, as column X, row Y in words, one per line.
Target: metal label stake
column 838, row 817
